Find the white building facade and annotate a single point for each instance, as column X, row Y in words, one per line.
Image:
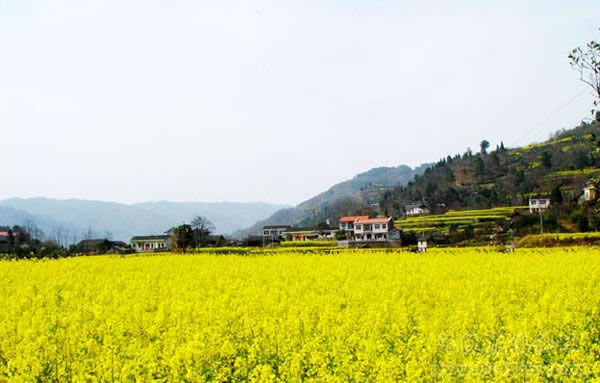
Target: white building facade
column 372, row 229
column 539, row 204
column 151, row 243
column 275, row 231
column 347, row 223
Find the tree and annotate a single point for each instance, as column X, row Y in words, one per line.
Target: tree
column 502, row 149
column 587, row 62
column 547, row 159
column 484, row 145
column 181, row 237
column 556, row 195
column 202, row 228
column 479, row 166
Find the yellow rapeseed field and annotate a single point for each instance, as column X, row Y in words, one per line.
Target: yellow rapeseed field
column 447, row 315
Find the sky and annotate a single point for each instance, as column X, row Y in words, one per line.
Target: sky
column 275, row 101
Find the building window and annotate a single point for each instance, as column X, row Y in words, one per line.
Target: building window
column 266, row 232
column 358, row 227
column 384, row 226
column 377, row 226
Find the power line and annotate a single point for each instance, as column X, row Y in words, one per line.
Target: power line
column 551, row 116
column 518, row 106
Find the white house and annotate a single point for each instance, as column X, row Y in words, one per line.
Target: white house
column 416, row 209
column 347, row 223
column 275, row 231
column 151, row 243
column 590, row 192
column 539, row 203
column 422, row 244
column 373, row 229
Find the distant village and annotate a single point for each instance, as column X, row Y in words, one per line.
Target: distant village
column 350, row 231
column 358, row 231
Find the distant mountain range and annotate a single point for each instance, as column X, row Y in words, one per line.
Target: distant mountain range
column 72, row 219
column 362, row 191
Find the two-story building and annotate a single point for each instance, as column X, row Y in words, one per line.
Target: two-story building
column 347, row 223
column 373, row 229
column 275, row 231
column 539, row 203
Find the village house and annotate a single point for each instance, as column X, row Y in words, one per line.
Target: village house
column 6, row 234
column 301, row 234
column 102, row 246
column 151, row 243
column 375, row 229
column 539, row 203
column 347, row 223
column 590, row 192
column 275, row 230
column 416, row 209
column 215, row 241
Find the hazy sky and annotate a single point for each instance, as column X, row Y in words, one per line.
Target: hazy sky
column 271, row 100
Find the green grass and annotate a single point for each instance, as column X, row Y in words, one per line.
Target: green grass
column 560, row 239
column 441, row 222
column 505, row 211
column 567, row 173
column 547, row 143
column 566, row 235
column 307, row 243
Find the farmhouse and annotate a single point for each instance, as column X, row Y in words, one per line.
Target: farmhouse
column 539, row 203
column 6, row 234
column 416, row 209
column 301, row 234
column 590, row 192
column 151, row 243
column 102, row 246
column 347, row 223
column 373, row 229
column 275, row 230
column 215, row 241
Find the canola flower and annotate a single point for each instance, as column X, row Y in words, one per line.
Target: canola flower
column 447, row 315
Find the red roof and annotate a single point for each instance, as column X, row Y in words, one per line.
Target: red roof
column 373, row 220
column 353, row 218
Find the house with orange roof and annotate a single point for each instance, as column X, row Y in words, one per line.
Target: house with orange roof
column 347, row 223
column 365, row 229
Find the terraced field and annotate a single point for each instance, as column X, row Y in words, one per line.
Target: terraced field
column 442, row 222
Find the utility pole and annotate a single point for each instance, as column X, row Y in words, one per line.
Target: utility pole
column 541, row 221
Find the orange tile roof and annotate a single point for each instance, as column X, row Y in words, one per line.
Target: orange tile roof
column 373, row 220
column 353, row 218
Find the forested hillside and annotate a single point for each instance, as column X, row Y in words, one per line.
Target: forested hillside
column 504, row 177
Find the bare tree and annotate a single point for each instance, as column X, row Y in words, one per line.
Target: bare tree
column 90, row 234
column 202, row 227
column 34, row 231
column 587, row 62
